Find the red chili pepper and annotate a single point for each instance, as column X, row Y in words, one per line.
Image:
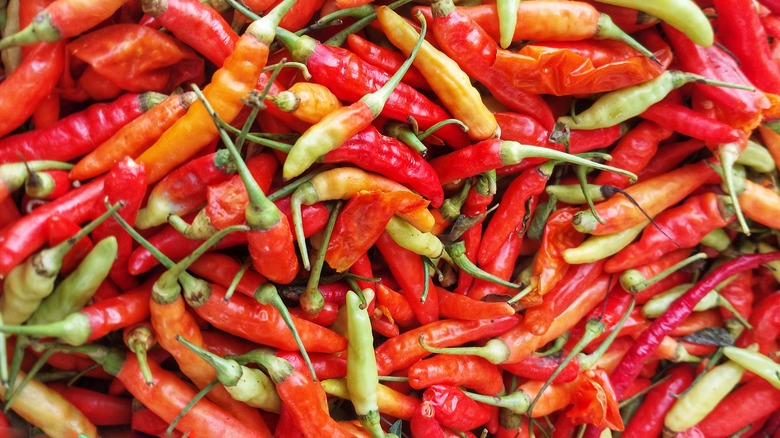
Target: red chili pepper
column 78, row 133
column 631, row 363
column 407, row 269
column 740, row 30
column 24, row 89
column 386, row 59
column 765, row 319
column 456, row 306
column 405, row 349
column 101, row 409
column 746, row 405
column 455, row 409
column 759, row 203
column 678, row 227
column 549, row 266
column 26, row 235
column 146, row 421
column 350, row 79
column 98, row 62
column 541, row 368
column 423, row 422
column 679, row 118
column 396, row 304
column 196, row 24
column 59, row 229
column 501, row 266
column 374, row 152
column 472, row 372
column 633, row 152
column 669, row 156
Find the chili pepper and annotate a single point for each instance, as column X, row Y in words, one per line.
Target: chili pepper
column 750, row 48
column 549, row 266
column 577, row 67
column 492, row 154
column 454, row 409
column 696, row 26
column 472, row 372
column 303, row 396
column 47, row 184
column 407, row 269
column 653, row 195
column 326, row 366
column 168, row 395
column 308, row 101
column 405, row 349
column 475, row 56
column 698, row 321
column 391, row 158
column 471, row 239
column 230, row 84
column 538, row 318
column 502, row 266
column 101, row 409
column 139, row 339
column 511, row 214
column 454, row 89
column 648, row 419
column 703, row 213
column 386, row 59
column 78, row 133
column 680, row 118
column 650, row 338
column 702, row 396
column 197, row 25
column 456, row 306
column 132, row 138
column 743, row 406
column 541, row 368
column 755, row 362
column 668, row 156
column 94, row 321
column 621, row 105
column 62, row 19
column 15, row 175
column 27, row 284
column 757, row 202
column 48, row 410
column 423, row 422
column 397, row 305
column 342, row 183
column 75, row 290
column 771, row 140
column 633, row 152
column 765, row 319
column 184, row 189
column 340, row 124
column 349, row 78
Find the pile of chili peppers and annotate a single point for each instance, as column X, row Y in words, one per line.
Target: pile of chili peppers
column 351, row 218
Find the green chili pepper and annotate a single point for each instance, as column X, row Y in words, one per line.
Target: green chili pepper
column 755, row 362
column 409, row 237
column 73, row 292
column 620, row 105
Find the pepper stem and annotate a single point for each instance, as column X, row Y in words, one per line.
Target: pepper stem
column 575, row 193
column 457, row 252
column 582, row 177
column 10, row 398
column 728, row 153
column 13, row 175
column 589, row 361
column 311, row 299
column 517, row 402
column 513, row 152
column 633, row 281
column 237, row 279
column 338, row 39
column 267, row 294
column 279, row 369
column 139, row 340
column 229, row 371
column 306, row 194
column 73, row 329
column 202, row 393
column 376, row 100
column 494, row 351
column 607, row 29
column 425, row 134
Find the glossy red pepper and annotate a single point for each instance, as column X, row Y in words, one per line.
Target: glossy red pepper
column 455, row 409
column 387, row 59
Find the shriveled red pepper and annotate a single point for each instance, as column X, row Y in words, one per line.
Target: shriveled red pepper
column 472, row 372
column 455, row 409
column 108, row 55
column 633, row 152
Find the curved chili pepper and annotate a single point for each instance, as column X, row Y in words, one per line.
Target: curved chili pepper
column 27, row 86
column 758, row 203
column 703, row 213
column 225, row 93
column 101, row 409
column 48, row 410
column 456, row 306
column 669, row 156
column 648, row 421
column 679, row 118
column 502, row 266
column 195, row 24
column 62, row 19
column 652, row 195
column 405, row 349
column 650, row 338
column 386, row 59
column 374, row 152
column 132, row 138
column 633, row 152
column 79, row 133
column 350, row 79
column 472, row 372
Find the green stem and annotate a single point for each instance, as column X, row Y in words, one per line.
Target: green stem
column 202, row 393
column 633, row 281
column 589, row 361
column 457, row 252
column 237, row 279
column 495, row 350
column 311, row 300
